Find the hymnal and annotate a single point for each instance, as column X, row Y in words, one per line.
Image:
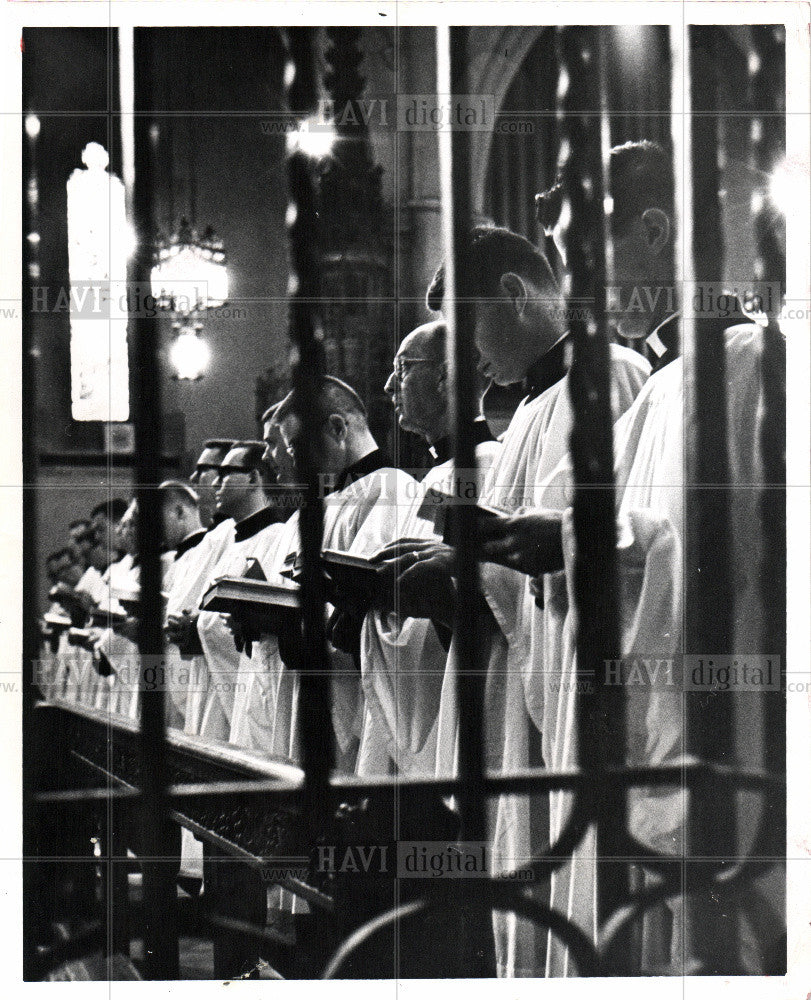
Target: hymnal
column 130, row 598
column 257, row 605
column 56, row 622
column 353, row 582
column 435, row 507
column 79, row 637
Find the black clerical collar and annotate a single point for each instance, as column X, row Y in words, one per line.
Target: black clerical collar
column 547, row 370
column 442, row 450
column 254, row 523
column 664, row 339
column 189, row 542
column 363, row 467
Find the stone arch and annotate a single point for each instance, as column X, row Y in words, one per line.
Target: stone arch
column 491, row 71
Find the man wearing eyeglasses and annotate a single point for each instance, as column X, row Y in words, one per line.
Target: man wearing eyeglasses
column 520, row 332
column 364, row 499
column 403, row 659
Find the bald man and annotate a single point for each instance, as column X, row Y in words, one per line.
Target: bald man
column 364, row 498
column 520, row 332
column 403, row 659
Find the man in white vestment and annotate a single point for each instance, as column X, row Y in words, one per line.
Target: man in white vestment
column 57, row 653
column 364, row 502
column 252, row 713
column 204, row 477
column 116, row 646
column 240, row 495
column 520, row 333
column 182, row 533
column 648, row 443
column 104, row 521
column 403, row 659
column 187, row 588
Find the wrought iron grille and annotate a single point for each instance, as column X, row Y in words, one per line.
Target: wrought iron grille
column 250, row 813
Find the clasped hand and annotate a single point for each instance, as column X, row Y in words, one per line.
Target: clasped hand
column 419, row 572
column 529, row 542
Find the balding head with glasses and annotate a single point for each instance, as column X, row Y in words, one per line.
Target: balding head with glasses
column 418, row 384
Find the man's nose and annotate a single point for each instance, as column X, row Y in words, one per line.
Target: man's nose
column 391, row 381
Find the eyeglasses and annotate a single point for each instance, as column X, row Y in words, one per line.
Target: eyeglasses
column 402, row 366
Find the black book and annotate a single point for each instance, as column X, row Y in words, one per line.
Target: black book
column 107, row 617
column 436, row 505
column 257, row 605
column 354, row 583
column 79, row 637
column 130, row 599
column 55, row 622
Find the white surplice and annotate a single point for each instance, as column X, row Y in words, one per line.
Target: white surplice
column 184, row 595
column 120, row 694
column 535, row 442
column 222, row 657
column 402, row 659
column 649, row 456
column 361, row 518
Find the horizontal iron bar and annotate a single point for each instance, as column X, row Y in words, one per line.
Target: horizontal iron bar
column 692, row 773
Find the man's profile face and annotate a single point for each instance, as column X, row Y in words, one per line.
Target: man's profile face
column 232, row 486
column 500, row 342
column 128, row 530
column 101, row 530
column 416, row 391
column 71, row 573
column 78, row 542
column 174, row 523
column 276, row 454
column 641, row 294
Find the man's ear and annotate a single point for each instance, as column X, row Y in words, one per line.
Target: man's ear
column 337, row 427
column 657, row 229
column 513, row 286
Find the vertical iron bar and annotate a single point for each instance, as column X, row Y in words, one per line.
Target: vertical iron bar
column 709, row 940
column 475, row 953
column 767, row 137
column 454, row 150
column 160, row 931
column 601, row 709
column 32, row 762
column 314, row 699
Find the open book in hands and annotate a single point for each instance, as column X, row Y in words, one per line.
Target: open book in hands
column 436, row 507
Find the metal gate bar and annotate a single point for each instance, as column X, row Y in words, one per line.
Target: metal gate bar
column 454, row 172
column 314, row 691
column 161, row 959
column 583, row 165
column 603, row 776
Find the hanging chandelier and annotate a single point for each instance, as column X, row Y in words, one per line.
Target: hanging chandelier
column 189, row 272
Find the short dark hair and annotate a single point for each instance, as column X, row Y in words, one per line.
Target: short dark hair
column 491, row 252
column 640, row 177
column 335, row 396
column 113, row 509
column 251, row 460
column 174, row 491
